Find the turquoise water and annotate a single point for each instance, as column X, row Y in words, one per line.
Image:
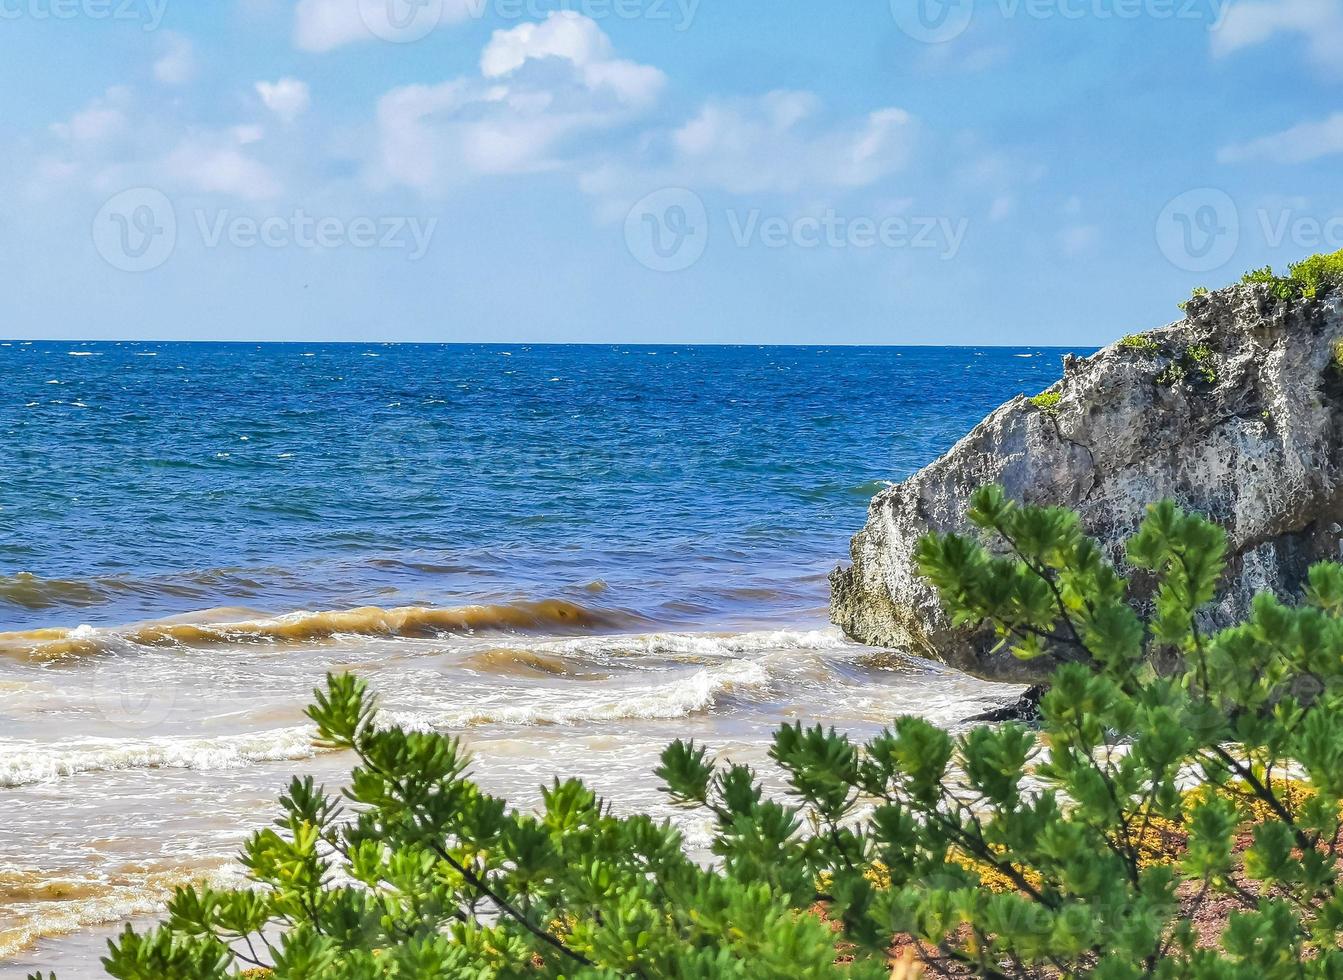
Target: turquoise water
column 690, row 485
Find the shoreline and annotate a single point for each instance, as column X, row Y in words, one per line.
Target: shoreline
column 768, row 677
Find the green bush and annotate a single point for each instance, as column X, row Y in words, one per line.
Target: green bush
column 1198, row 291
column 1319, row 274
column 1175, row 815
column 1141, row 342
column 1307, row 279
column 1047, row 401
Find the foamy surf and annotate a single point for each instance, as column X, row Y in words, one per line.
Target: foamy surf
column 682, row 693
column 678, row 698
column 25, row 762
column 699, row 644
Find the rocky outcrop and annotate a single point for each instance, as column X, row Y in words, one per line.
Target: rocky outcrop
column 1235, row 412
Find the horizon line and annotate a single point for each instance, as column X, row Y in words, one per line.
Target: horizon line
column 544, row 343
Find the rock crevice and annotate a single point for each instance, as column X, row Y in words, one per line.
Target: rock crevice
column 1235, row 412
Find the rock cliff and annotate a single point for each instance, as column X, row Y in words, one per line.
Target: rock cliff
column 1235, row 412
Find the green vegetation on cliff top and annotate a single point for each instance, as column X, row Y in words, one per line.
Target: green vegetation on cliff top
column 1308, row 279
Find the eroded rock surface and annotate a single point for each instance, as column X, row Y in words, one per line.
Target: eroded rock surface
column 1235, row 412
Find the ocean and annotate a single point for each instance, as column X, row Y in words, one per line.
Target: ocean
column 568, row 555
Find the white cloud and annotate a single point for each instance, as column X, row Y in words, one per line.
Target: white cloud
column 117, row 142
column 288, row 98
column 540, row 86
column 569, row 36
column 215, row 163
column 1251, row 22
column 572, row 38
column 323, row 25
column 1300, row 144
column 177, row 64
column 100, row 120
column 775, row 143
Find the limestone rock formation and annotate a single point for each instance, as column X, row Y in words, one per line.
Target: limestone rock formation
column 1235, row 412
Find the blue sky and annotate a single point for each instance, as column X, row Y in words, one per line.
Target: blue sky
column 1026, row 172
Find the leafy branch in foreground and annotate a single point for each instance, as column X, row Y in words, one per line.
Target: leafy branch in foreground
column 1176, row 815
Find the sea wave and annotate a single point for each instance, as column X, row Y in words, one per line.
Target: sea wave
column 700, row 644
column 405, row 621
column 594, row 658
column 678, row 697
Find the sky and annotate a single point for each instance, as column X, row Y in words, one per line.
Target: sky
column 1016, row 172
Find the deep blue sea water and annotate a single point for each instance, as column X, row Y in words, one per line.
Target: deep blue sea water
column 702, row 485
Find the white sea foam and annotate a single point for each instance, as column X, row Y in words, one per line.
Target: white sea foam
column 677, row 697
column 698, row 644
column 675, row 694
column 23, row 762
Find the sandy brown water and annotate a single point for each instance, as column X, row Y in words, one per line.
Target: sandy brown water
column 185, row 739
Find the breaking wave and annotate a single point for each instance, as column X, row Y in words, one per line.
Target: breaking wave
column 406, row 621
column 677, row 698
